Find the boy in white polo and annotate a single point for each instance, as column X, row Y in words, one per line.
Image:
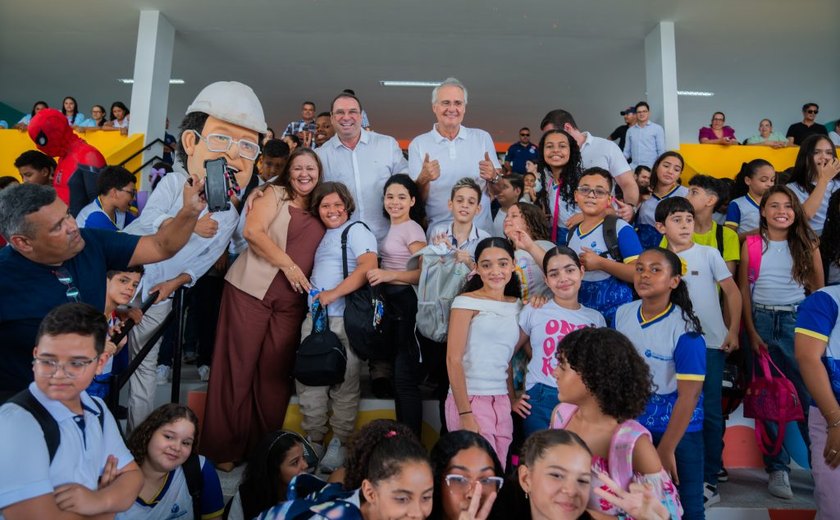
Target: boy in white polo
column 90, row 473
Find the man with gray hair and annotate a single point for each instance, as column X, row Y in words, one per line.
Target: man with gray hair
column 50, row 261
column 448, row 152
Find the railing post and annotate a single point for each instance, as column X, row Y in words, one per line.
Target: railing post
column 177, row 348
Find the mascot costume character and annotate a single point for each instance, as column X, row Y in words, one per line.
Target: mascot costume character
column 78, row 162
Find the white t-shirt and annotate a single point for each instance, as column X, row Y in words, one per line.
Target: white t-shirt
column 775, row 284
column 547, row 326
column 531, row 276
column 493, row 334
column 818, row 221
column 25, row 469
column 705, row 269
column 628, row 245
column 327, row 271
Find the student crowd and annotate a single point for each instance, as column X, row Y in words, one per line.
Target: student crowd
column 575, row 317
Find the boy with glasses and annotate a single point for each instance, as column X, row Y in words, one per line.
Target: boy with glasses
column 797, row 132
column 82, row 469
column 111, row 208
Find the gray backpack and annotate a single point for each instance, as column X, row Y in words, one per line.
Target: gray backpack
column 441, row 277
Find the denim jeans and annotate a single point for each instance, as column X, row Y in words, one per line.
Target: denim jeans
column 713, row 414
column 543, row 399
column 776, row 329
column 689, row 455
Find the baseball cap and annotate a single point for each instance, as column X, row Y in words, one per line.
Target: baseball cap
column 628, row 110
column 232, row 102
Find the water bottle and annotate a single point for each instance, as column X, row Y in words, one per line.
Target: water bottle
column 319, row 319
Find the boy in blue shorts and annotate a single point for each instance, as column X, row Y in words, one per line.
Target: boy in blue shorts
column 82, row 468
column 705, row 272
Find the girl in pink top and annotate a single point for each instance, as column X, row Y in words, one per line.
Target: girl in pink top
column 405, row 237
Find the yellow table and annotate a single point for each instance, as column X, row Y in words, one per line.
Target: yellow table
column 725, row 161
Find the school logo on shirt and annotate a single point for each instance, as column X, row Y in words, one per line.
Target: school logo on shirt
column 651, row 354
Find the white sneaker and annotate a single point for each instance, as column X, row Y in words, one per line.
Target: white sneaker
column 333, row 458
column 164, row 374
column 710, row 495
column 779, row 485
column 204, row 373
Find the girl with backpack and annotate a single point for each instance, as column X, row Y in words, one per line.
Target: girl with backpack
column 601, row 410
column 664, row 183
column 175, row 477
column 542, row 329
column 405, row 237
column 778, row 267
column 607, row 246
column 665, row 331
column 483, row 333
column 754, row 179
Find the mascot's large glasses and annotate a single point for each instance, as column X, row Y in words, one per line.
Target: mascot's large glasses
column 222, row 143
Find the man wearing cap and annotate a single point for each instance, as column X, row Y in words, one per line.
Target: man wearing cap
column 597, row 151
column 619, row 133
column 362, row 160
column 225, row 120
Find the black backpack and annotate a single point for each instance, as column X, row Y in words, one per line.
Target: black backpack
column 363, row 310
column 610, row 237
column 321, row 359
column 52, row 436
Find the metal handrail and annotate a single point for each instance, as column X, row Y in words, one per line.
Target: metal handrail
column 138, row 152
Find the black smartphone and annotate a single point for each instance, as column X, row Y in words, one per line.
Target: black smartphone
column 216, row 186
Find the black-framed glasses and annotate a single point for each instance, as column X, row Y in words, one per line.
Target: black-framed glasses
column 461, row 484
column 64, row 276
column 222, row 143
column 72, row 369
column 598, row 193
column 133, row 193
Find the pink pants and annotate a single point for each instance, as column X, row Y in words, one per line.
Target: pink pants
column 826, row 480
column 492, row 413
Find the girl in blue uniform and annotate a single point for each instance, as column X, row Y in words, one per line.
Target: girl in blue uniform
column 664, row 183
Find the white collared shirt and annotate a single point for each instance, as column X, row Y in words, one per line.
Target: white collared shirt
column 25, row 468
column 364, row 171
column 199, row 254
column 600, row 152
column 458, row 158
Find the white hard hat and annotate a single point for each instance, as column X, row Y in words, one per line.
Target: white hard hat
column 232, row 102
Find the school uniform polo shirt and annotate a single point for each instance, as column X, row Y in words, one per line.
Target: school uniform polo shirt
column 817, row 318
column 672, row 352
column 25, row 469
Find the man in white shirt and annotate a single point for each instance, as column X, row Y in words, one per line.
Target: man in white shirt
column 225, row 120
column 449, row 152
column 361, row 160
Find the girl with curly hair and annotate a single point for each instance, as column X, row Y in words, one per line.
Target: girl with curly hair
column 603, row 383
column 161, row 445
column 666, row 332
column 779, row 266
column 559, row 171
column 541, row 329
column 525, row 227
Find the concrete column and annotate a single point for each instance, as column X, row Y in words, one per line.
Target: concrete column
column 150, row 92
column 661, row 76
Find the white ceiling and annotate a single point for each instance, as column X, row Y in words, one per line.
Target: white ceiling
column 762, row 58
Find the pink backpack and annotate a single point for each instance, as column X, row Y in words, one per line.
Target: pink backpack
column 771, row 399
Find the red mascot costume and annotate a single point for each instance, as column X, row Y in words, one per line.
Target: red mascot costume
column 78, row 162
